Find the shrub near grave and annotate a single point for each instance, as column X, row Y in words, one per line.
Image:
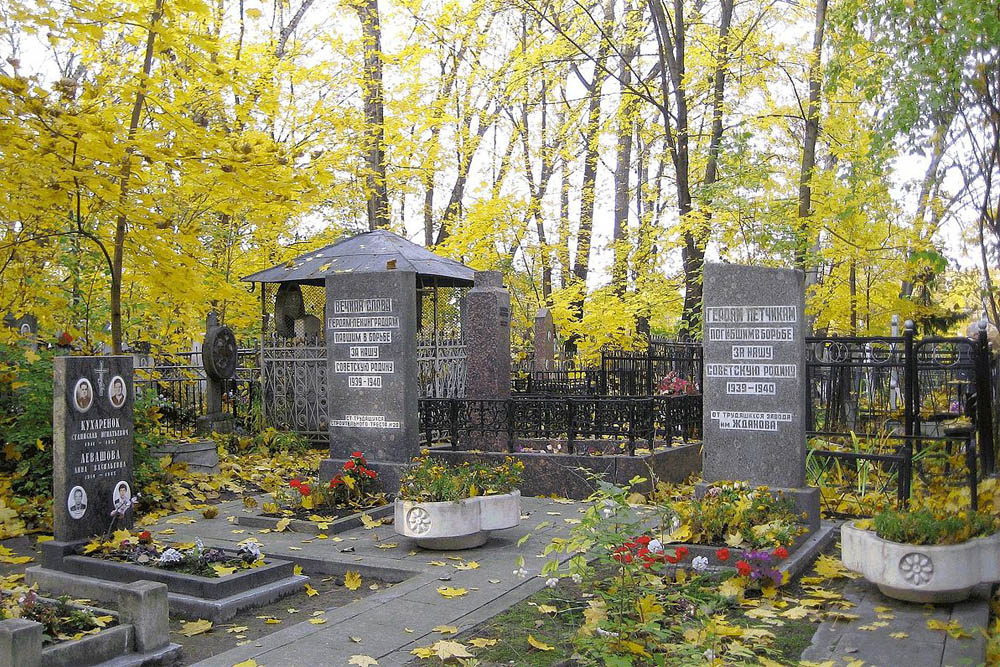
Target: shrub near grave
column 354, row 488
column 652, row 598
column 61, row 621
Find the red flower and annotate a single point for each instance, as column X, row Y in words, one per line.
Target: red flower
column 781, row 553
column 304, row 489
column 144, row 536
column 743, row 568
column 295, row 483
column 356, row 455
column 673, row 559
column 370, row 473
column 643, row 540
column 722, row 554
column 681, row 552
column 65, row 338
column 349, row 465
column 335, row 482
column 631, row 545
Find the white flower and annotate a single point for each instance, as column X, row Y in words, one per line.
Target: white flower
column 655, row 546
column 552, row 582
column 709, row 654
column 199, row 545
column 171, row 555
column 576, row 578
column 250, row 549
column 699, row 563
column 604, row 633
column 521, row 573
column 675, row 523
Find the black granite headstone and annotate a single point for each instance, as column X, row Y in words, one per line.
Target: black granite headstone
column 92, row 445
column 372, row 376
column 754, row 384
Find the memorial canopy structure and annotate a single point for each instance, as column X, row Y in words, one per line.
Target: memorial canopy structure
column 293, row 311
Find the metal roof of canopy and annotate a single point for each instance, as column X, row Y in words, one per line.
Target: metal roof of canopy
column 367, row 253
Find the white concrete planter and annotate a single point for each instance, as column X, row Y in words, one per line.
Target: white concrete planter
column 920, row 573
column 460, row 524
column 500, row 512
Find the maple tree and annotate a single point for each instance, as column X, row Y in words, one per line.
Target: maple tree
column 154, row 151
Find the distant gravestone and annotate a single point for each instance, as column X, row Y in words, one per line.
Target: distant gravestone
column 545, row 341
column 92, row 431
column 486, row 328
column 754, row 380
column 372, row 369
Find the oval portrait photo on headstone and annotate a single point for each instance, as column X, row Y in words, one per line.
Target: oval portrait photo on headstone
column 83, row 395
column 117, row 391
column 25, row 329
column 77, row 502
column 122, row 496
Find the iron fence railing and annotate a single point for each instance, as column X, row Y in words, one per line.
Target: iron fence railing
column 659, row 419
column 860, row 478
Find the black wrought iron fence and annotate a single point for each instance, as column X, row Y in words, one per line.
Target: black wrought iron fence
column 658, row 419
column 863, row 475
column 177, row 383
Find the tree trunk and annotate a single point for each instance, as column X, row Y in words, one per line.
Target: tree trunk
column 805, row 240
column 375, row 186
column 121, row 224
column 623, row 169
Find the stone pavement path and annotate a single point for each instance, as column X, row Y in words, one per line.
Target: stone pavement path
column 844, row 642
column 382, row 620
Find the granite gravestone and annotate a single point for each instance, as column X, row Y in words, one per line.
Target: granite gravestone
column 754, row 380
column 486, row 329
column 372, row 369
column 545, row 341
column 92, row 445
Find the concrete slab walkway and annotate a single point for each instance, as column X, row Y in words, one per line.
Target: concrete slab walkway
column 870, row 638
column 397, row 619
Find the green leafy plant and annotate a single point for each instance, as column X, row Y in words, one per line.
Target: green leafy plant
column 433, row 480
column 926, row 528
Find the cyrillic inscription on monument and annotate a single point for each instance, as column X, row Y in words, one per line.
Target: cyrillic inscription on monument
column 92, row 445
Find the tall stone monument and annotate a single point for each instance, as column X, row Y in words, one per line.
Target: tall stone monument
column 545, row 341
column 754, row 381
column 486, row 328
column 92, row 446
column 372, row 371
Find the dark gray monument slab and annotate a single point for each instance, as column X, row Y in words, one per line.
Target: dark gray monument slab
column 92, row 445
column 372, row 367
column 754, row 384
column 486, row 329
column 545, row 340
column 487, row 337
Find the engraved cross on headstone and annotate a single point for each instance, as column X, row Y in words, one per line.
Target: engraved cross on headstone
column 101, row 371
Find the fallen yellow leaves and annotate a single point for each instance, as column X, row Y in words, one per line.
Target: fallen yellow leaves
column 471, row 565
column 246, row 663
column 362, row 660
column 310, row 591
column 317, row 621
column 482, row 642
column 541, row 646
column 192, row 628
column 449, row 592
column 7, row 556
column 282, row 524
column 442, row 649
column 445, row 629
column 953, row 628
column 352, row 580
column 222, row 570
column 369, row 522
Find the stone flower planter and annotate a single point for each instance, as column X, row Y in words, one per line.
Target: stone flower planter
column 921, row 573
column 460, row 524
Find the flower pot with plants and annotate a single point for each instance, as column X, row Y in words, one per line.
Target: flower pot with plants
column 922, row 557
column 443, row 506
